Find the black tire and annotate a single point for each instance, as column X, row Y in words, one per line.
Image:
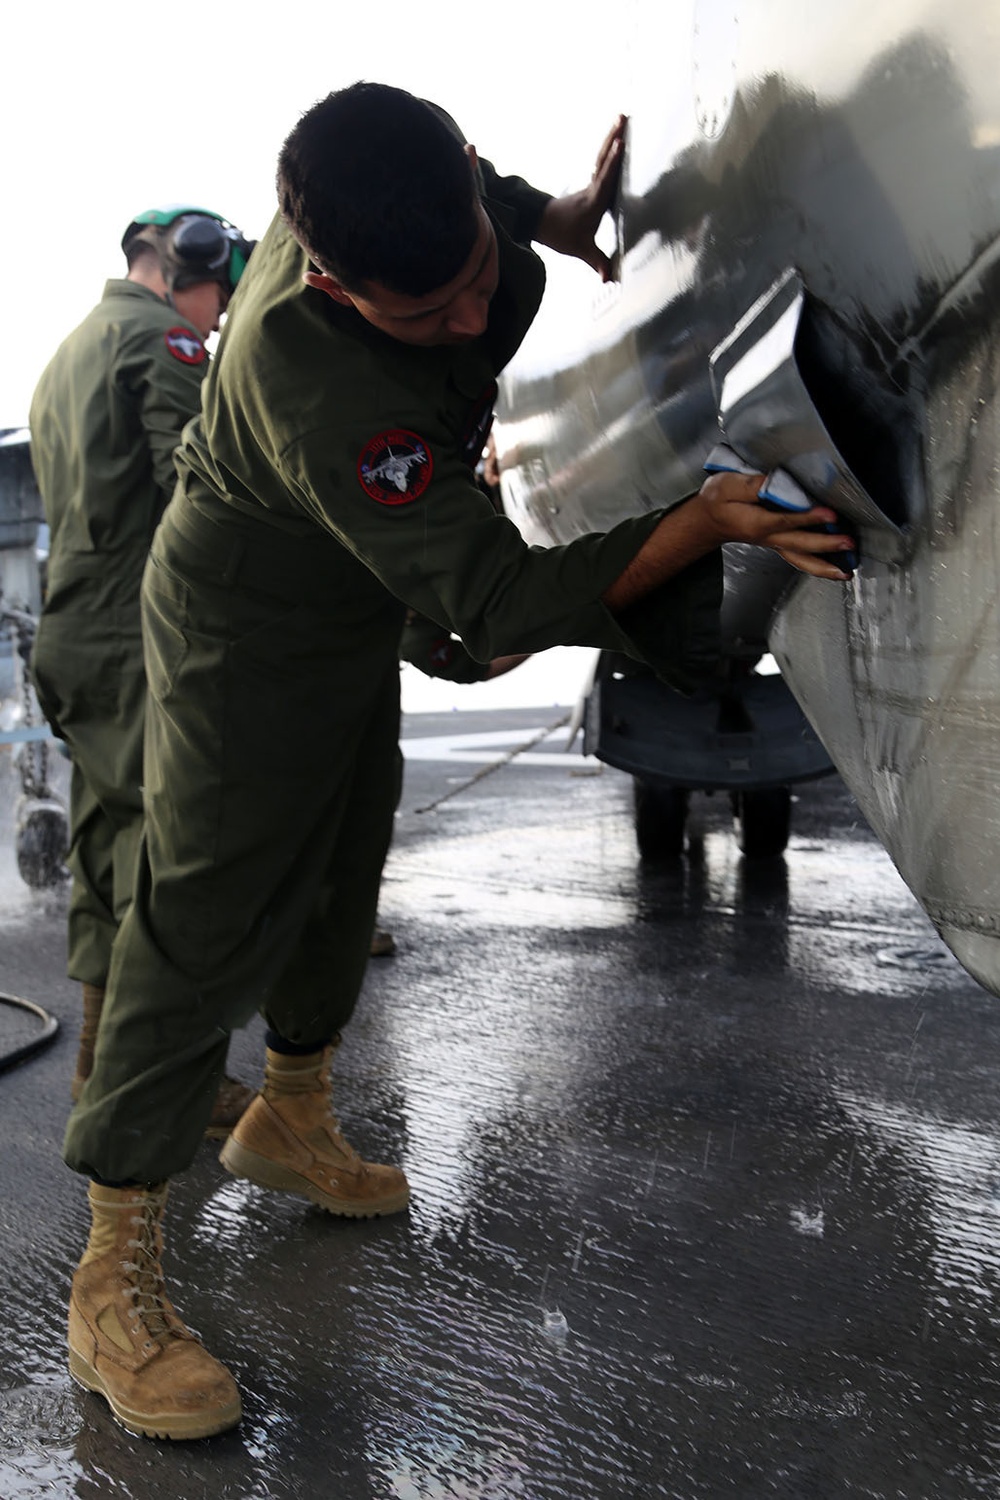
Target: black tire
column 660, row 816
column 40, row 843
column 764, row 816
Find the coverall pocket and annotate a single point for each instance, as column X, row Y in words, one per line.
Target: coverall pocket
column 78, row 663
column 165, row 604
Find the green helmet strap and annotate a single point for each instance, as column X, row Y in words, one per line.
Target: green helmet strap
column 164, row 217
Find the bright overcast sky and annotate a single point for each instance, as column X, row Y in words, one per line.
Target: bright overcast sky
column 108, row 110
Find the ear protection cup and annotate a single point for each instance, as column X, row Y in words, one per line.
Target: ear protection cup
column 194, row 244
column 200, row 241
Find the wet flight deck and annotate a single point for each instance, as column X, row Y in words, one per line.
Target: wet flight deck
column 705, row 1163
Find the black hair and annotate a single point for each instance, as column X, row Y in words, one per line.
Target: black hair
column 376, row 187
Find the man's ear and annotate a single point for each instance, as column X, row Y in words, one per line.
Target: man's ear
column 327, row 284
column 473, row 155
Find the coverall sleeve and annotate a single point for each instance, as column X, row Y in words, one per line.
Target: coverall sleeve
column 439, row 546
column 523, row 203
column 437, row 653
column 167, row 392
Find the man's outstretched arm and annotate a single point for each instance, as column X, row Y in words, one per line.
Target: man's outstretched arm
column 726, row 509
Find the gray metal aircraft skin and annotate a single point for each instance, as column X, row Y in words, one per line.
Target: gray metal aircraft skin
column 850, row 155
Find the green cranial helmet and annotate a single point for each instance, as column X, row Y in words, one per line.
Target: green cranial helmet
column 192, row 244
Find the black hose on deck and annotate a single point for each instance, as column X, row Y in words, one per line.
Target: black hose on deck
column 48, row 1033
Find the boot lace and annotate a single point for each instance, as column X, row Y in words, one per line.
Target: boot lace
column 146, row 1292
column 333, row 1123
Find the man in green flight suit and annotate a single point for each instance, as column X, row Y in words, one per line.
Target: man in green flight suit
column 327, row 487
column 105, row 419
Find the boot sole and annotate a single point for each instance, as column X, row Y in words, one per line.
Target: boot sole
column 146, row 1424
column 265, row 1173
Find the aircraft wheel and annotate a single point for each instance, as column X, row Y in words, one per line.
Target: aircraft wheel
column 660, row 816
column 764, row 816
column 41, row 841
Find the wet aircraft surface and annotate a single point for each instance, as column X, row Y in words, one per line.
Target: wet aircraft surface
column 808, row 253
column 705, row 1163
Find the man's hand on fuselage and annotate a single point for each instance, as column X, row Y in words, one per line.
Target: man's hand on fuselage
column 726, row 509
column 569, row 224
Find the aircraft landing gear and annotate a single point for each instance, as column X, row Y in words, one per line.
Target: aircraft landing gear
column 748, row 741
column 40, row 841
column 660, row 813
column 764, row 819
column 41, row 837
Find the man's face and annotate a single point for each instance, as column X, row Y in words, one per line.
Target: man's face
column 453, row 314
column 202, row 305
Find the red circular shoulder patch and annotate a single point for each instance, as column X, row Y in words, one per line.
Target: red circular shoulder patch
column 185, row 345
column 395, row 467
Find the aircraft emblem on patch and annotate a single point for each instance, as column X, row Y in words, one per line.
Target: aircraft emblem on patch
column 395, row 467
column 184, row 346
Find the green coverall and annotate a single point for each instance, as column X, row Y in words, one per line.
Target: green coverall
column 105, row 419
column 327, row 485
column 438, row 653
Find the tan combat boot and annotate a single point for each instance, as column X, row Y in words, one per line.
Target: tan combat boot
column 230, row 1101
column 289, row 1139
column 125, row 1339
